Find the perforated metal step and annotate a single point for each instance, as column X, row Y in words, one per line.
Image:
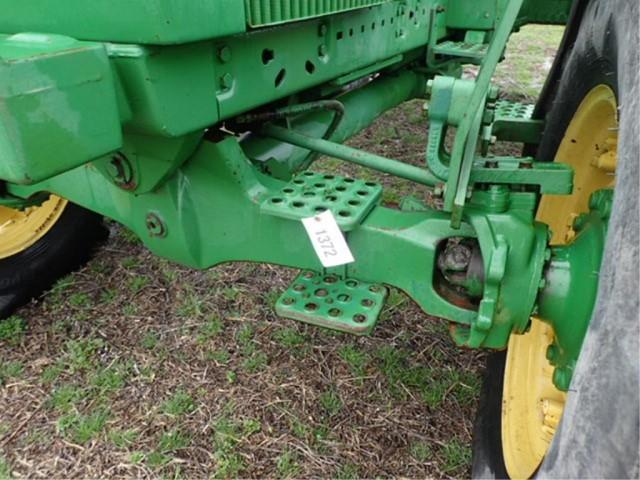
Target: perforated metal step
column 506, row 110
column 512, row 122
column 347, row 305
column 472, row 51
column 311, row 193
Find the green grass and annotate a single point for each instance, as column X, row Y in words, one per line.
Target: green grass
column 136, row 284
column 287, row 465
column 456, row 456
column 80, row 300
column 65, row 397
column 348, row 471
column 289, row 337
column 212, row 327
column 52, row 372
column 123, row 438
column 299, row 428
column 110, row 379
column 157, row 459
column 81, row 428
column 5, row 469
column 191, row 303
column 150, row 340
column 136, row 457
column 12, row 330
column 10, row 370
column 108, row 295
column 173, row 440
column 218, row 356
column 228, row 434
column 355, row 359
column 180, row 403
column 330, row 402
column 420, row 451
column 256, row 361
column 80, row 354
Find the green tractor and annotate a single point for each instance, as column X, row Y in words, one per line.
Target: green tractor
column 196, row 124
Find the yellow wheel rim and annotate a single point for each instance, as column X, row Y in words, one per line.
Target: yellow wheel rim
column 19, row 229
column 531, row 404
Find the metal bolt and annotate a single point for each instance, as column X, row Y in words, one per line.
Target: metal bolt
column 224, row 54
column 562, row 378
column 552, row 353
column 120, row 170
column 322, row 50
column 601, row 201
column 155, row 225
column 580, row 221
column 226, row 80
column 493, row 93
column 322, row 30
column 429, row 88
column 547, row 254
column 542, row 284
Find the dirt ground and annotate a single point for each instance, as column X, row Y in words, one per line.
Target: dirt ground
column 136, row 367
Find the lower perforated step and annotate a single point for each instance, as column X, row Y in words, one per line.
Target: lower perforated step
column 311, row 193
column 513, row 123
column 506, row 110
column 471, row 51
column 347, row 305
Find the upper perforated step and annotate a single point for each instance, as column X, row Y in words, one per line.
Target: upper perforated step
column 311, row 193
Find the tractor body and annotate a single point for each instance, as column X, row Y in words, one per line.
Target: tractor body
column 195, row 125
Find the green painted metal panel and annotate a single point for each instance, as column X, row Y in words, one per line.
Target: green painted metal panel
column 266, row 12
column 273, row 63
column 170, row 90
column 126, row 21
column 58, row 106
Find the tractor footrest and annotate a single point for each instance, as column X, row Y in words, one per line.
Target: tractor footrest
column 513, row 123
column 474, row 52
column 347, row 305
column 506, row 110
column 309, row 193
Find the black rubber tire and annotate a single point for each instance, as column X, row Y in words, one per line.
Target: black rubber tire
column 65, row 247
column 599, row 433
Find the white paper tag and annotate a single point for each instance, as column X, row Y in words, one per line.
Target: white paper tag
column 327, row 240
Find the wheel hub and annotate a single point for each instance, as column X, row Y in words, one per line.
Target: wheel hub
column 540, row 363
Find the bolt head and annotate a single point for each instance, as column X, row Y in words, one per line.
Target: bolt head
column 601, row 201
column 155, row 225
column 114, row 168
column 226, row 81
column 322, row 50
column 552, row 353
column 224, row 54
column 494, row 92
column 562, row 378
column 429, row 88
